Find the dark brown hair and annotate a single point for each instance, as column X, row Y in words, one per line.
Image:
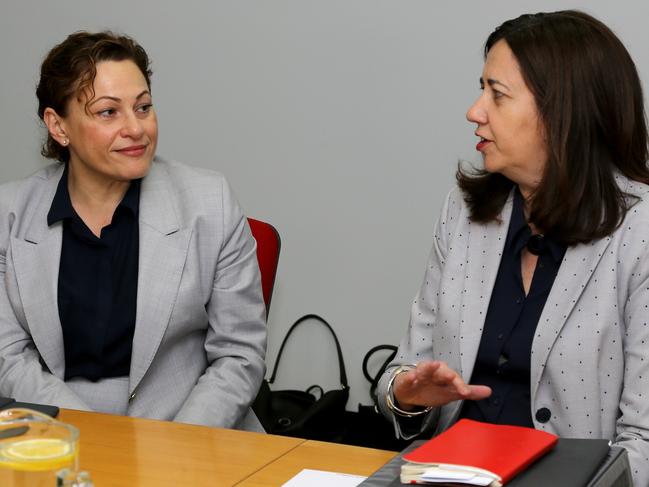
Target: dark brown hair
column 70, row 68
column 590, row 102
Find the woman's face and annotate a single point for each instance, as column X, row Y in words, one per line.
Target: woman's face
column 112, row 136
column 509, row 127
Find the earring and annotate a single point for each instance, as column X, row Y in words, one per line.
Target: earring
column 65, row 142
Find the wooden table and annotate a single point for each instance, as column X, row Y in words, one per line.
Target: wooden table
column 132, row 452
column 319, row 455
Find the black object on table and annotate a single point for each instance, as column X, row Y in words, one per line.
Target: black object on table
column 8, row 402
column 572, row 463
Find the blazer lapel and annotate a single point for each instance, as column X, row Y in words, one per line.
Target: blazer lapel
column 163, row 250
column 480, row 277
column 36, row 258
column 577, row 267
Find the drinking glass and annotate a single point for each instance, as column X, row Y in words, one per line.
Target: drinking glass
column 38, row 451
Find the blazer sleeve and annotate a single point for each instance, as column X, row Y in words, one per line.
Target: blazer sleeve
column 21, row 374
column 632, row 428
column 417, row 345
column 235, row 342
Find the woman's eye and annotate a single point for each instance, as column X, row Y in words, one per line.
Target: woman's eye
column 107, row 113
column 497, row 94
column 144, row 108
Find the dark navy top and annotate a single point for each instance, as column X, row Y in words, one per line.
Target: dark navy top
column 503, row 361
column 97, row 288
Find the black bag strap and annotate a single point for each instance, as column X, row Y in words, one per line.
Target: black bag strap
column 341, row 363
column 374, row 381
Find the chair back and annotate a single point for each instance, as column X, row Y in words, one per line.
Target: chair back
column 268, row 247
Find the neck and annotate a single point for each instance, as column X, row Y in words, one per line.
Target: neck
column 527, row 194
column 94, row 198
column 94, row 190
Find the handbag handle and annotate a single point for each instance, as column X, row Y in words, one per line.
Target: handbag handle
column 341, row 363
column 374, row 381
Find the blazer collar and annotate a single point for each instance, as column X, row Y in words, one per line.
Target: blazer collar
column 157, row 201
column 577, row 268
column 164, row 244
column 36, row 258
column 480, row 273
column 37, row 228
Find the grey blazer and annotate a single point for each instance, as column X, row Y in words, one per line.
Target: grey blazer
column 200, row 334
column 590, row 354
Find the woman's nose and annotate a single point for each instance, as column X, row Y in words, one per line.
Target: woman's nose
column 132, row 127
column 477, row 112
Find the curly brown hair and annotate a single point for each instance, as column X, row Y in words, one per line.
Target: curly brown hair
column 70, row 68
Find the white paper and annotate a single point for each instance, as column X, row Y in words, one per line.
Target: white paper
column 443, row 475
column 320, row 478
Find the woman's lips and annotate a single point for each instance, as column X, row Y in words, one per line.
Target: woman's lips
column 133, row 151
column 482, row 144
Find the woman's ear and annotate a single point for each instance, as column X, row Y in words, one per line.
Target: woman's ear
column 55, row 126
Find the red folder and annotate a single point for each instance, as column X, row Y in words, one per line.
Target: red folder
column 500, row 449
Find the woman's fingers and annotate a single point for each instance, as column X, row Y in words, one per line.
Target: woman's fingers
column 460, row 386
column 441, row 374
column 434, row 383
column 478, row 392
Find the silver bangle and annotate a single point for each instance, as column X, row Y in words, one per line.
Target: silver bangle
column 390, row 395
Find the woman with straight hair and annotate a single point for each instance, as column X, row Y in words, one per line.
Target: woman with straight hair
column 534, row 309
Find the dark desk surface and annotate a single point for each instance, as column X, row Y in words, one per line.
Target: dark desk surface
column 572, row 463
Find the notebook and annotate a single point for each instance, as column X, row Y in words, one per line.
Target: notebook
column 475, row 453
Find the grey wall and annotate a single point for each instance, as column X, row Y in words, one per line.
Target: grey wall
column 339, row 121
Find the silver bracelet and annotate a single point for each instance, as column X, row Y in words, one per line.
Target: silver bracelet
column 389, row 397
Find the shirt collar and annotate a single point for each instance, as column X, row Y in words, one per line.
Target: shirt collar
column 519, row 232
column 131, row 200
column 62, row 205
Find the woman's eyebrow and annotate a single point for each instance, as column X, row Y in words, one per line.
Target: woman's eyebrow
column 117, row 99
column 491, row 82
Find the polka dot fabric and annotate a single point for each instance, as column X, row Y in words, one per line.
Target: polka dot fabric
column 590, row 355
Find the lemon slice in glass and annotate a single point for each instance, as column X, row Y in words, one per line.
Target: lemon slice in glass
column 37, row 454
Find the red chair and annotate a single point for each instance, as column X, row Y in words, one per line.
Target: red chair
column 268, row 247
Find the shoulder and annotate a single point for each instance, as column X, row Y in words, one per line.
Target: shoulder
column 456, row 213
column 454, row 208
column 453, row 218
column 17, row 194
column 181, row 175
column 187, row 182
column 23, row 200
column 628, row 243
column 637, row 197
column 632, row 188
column 193, row 191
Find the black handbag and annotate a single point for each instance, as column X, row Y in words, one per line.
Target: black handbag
column 304, row 414
column 368, row 427
column 374, row 380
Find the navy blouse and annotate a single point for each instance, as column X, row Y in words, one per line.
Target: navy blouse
column 503, row 361
column 97, row 287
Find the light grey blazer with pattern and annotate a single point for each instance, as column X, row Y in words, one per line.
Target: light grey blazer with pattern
column 590, row 354
column 200, row 333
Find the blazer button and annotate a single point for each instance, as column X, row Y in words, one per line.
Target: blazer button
column 132, row 396
column 543, row 415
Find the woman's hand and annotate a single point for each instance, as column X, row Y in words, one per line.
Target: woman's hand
column 433, row 383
